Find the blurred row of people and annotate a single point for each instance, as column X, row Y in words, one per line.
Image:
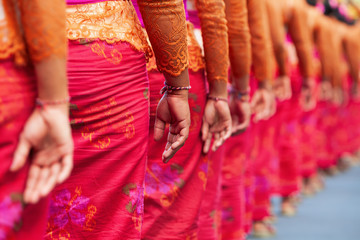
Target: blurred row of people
column 254, row 98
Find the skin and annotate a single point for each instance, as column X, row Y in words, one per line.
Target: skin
column 47, row 134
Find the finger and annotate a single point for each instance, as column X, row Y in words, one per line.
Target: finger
column 228, row 132
column 21, row 154
column 159, row 129
column 181, row 138
column 52, row 180
column 42, row 179
column 66, row 168
column 242, row 126
column 205, row 131
column 30, row 183
column 216, row 141
column 207, row 143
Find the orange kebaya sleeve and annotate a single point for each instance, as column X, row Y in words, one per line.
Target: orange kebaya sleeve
column 43, row 22
column 352, row 52
column 323, row 42
column 260, row 40
column 239, row 37
column 277, row 33
column 300, row 35
column 215, row 38
column 165, row 23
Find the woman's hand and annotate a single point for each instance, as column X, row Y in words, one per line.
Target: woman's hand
column 282, row 88
column 240, row 114
column 308, row 95
column 173, row 108
column 325, row 91
column 216, row 124
column 47, row 133
column 263, row 104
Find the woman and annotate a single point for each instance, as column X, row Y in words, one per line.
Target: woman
column 179, row 185
column 34, row 114
column 103, row 199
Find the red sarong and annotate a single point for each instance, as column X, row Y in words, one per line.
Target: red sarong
column 173, row 191
column 210, row 210
column 233, row 191
column 17, row 100
column 103, row 198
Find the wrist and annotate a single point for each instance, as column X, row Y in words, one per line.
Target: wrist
column 218, row 89
column 265, row 84
column 243, row 96
column 178, row 93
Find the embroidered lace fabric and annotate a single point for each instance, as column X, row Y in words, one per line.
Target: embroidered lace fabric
column 110, row 21
column 239, row 37
column 215, row 38
column 166, row 26
column 260, row 40
column 37, row 19
column 196, row 59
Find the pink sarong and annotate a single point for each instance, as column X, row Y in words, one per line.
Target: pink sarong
column 17, row 101
column 103, row 198
column 173, row 191
column 233, row 191
column 210, row 210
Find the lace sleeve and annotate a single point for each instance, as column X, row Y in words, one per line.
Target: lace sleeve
column 260, row 40
column 43, row 22
column 165, row 23
column 214, row 34
column 239, row 37
column 352, row 52
column 322, row 35
column 277, row 33
column 300, row 35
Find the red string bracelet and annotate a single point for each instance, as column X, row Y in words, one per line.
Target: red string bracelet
column 43, row 103
column 168, row 88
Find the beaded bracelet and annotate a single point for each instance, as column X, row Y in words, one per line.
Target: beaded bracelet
column 168, row 88
column 43, row 103
column 216, row 99
column 240, row 95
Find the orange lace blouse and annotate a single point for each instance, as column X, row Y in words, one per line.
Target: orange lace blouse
column 32, row 34
column 260, row 40
column 214, row 34
column 239, row 37
column 291, row 13
column 114, row 21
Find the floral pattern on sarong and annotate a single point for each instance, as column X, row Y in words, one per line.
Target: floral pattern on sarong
column 10, row 212
column 203, row 170
column 115, row 119
column 68, row 210
column 165, row 181
column 195, row 112
column 135, row 205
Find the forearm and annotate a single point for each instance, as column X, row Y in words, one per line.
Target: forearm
column 215, row 40
column 51, row 79
column 165, row 23
column 239, row 43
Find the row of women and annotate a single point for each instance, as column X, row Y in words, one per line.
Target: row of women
column 185, row 116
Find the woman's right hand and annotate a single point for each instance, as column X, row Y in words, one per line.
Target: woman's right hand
column 173, row 108
column 47, row 134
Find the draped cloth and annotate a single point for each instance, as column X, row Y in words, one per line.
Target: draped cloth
column 17, row 220
column 289, row 137
column 210, row 211
column 103, row 198
column 173, row 191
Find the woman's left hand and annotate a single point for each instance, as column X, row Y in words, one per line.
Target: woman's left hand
column 216, row 124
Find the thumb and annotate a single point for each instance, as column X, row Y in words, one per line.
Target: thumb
column 21, row 154
column 159, row 129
